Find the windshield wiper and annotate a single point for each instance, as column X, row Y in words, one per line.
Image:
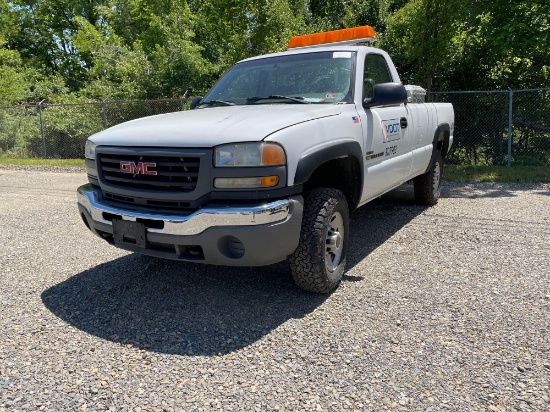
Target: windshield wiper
column 278, row 96
column 211, row 102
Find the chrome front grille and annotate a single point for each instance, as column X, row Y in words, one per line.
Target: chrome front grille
column 165, row 173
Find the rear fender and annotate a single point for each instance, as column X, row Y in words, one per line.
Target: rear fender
column 441, row 140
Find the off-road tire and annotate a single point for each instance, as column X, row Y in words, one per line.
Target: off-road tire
column 427, row 187
column 318, row 263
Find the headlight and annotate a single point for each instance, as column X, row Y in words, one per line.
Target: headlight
column 89, row 150
column 249, row 155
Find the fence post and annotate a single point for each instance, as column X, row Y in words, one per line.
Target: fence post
column 510, row 125
column 104, row 110
column 42, row 130
column 183, row 100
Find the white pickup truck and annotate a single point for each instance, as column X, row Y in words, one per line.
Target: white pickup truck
column 270, row 163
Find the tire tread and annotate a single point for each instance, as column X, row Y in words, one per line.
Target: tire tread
column 423, row 184
column 307, row 263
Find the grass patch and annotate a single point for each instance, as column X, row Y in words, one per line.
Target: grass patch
column 41, row 162
column 514, row 174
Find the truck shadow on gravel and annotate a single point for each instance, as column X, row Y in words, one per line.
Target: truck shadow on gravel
column 179, row 308
column 192, row 309
column 377, row 221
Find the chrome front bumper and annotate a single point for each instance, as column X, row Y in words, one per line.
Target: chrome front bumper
column 268, row 232
column 193, row 224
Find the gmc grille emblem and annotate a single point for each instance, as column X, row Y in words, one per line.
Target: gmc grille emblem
column 140, row 168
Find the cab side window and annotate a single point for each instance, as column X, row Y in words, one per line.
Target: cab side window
column 376, row 71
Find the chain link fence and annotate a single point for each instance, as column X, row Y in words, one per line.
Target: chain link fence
column 61, row 130
column 491, row 127
column 499, row 127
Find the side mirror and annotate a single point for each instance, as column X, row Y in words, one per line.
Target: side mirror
column 385, row 94
column 196, row 100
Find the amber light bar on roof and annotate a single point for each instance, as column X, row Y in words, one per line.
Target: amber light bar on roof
column 356, row 35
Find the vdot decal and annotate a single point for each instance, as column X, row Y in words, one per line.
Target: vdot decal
column 391, row 130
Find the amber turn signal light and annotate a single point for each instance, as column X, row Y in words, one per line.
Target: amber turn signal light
column 273, row 155
column 269, row 181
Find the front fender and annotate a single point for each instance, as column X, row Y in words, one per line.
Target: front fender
column 308, row 163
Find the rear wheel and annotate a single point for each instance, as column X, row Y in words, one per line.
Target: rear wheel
column 427, row 187
column 318, row 263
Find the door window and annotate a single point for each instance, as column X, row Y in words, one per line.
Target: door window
column 376, row 71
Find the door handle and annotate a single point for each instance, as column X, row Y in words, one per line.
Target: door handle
column 403, row 122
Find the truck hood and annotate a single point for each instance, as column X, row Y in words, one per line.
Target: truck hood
column 213, row 126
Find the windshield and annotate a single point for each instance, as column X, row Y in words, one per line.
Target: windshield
column 321, row 77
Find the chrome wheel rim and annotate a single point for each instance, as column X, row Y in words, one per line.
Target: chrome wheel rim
column 437, row 177
column 334, row 241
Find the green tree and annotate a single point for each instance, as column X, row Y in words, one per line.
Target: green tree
column 338, row 14
column 44, row 38
column 502, row 44
column 115, row 70
column 12, row 80
column 420, row 39
column 471, row 44
column 158, row 36
column 22, row 84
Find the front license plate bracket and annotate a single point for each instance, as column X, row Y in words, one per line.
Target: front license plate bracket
column 127, row 232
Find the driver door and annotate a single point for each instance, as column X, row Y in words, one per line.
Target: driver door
column 386, row 134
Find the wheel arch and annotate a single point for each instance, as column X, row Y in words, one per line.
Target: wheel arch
column 442, row 139
column 338, row 166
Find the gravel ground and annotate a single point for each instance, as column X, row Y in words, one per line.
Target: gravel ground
column 443, row 308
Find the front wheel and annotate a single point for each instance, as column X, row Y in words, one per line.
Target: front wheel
column 318, row 263
column 427, row 187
